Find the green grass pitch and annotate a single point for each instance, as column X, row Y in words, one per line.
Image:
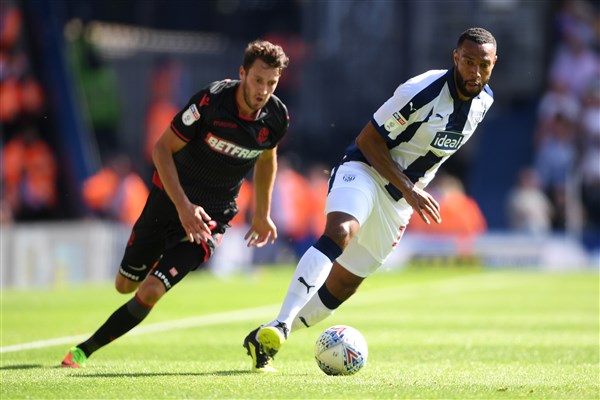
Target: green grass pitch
column 433, row 333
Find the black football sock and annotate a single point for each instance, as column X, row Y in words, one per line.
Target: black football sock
column 317, row 309
column 328, row 299
column 128, row 316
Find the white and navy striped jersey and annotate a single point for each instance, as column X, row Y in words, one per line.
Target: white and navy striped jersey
column 424, row 123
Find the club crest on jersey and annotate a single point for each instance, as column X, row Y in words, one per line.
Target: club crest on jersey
column 190, row 115
column 447, row 141
column 229, row 148
column 263, row 134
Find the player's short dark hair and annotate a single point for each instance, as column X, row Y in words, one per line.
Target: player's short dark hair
column 271, row 54
column 477, row 35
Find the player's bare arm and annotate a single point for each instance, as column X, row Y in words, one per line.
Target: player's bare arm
column 374, row 148
column 263, row 228
column 193, row 217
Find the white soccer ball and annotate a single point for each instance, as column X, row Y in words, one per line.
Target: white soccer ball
column 341, row 350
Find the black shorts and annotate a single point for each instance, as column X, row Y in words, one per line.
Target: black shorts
column 158, row 244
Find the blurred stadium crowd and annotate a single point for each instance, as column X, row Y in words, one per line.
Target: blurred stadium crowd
column 566, row 139
column 92, row 160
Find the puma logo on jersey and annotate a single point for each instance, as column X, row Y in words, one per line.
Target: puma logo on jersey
column 447, row 140
column 229, row 148
column 302, row 281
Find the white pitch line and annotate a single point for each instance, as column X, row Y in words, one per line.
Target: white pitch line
column 203, row 320
column 43, row 343
column 460, row 284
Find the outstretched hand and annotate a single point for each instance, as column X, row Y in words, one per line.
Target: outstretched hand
column 261, row 230
column 424, row 204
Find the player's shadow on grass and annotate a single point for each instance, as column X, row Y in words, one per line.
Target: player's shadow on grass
column 146, row 374
column 22, row 366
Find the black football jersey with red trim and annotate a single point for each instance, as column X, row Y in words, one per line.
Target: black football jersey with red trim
column 222, row 147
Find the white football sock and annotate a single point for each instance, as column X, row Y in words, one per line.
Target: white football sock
column 311, row 272
column 312, row 313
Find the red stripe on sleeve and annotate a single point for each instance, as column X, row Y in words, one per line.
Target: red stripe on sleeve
column 178, row 133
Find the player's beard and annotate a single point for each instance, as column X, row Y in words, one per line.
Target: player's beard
column 248, row 99
column 462, row 87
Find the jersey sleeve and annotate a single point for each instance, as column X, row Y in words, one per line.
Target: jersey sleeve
column 392, row 118
column 407, row 104
column 282, row 120
column 186, row 123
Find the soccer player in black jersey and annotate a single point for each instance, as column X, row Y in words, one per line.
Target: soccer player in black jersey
column 201, row 160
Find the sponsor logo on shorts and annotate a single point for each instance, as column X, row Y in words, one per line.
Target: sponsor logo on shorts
column 128, row 275
column 190, row 115
column 447, row 141
column 143, row 267
column 348, row 177
column 229, row 148
column 163, row 278
column 401, row 232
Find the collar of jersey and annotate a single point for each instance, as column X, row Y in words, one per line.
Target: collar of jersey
column 452, row 84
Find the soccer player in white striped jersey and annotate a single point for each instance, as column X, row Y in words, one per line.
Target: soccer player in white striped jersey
column 380, row 183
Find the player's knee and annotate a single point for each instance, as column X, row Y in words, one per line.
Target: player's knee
column 151, row 292
column 346, row 289
column 124, row 285
column 342, row 283
column 341, row 231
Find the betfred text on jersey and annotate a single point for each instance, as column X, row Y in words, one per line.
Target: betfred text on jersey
column 229, row 148
column 447, row 141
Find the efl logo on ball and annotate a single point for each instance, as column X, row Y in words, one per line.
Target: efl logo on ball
column 341, row 350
